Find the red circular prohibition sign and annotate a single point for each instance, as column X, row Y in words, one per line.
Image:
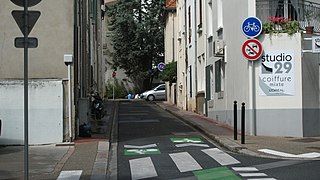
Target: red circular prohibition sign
column 252, row 49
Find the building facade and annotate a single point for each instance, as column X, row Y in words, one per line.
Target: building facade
column 213, row 72
column 72, row 29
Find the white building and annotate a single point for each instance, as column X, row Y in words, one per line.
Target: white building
column 287, row 109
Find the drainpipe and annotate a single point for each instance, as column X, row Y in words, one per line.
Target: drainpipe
column 75, row 55
column 70, row 102
column 195, row 47
column 186, row 50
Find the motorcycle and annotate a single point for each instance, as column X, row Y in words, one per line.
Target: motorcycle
column 97, row 106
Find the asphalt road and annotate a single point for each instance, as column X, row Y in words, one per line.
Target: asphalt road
column 150, row 143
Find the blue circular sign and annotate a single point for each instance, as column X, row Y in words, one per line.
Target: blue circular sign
column 161, row 66
column 251, row 27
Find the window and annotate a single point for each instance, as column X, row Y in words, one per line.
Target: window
column 219, row 76
column 189, row 24
column 210, row 46
column 200, row 14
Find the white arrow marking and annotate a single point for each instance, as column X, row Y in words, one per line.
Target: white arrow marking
column 140, row 147
column 283, row 154
column 142, row 151
column 187, row 140
column 191, row 144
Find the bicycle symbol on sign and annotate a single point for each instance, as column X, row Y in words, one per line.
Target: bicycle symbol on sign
column 251, row 27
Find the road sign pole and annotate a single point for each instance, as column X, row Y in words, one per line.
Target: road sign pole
column 26, row 130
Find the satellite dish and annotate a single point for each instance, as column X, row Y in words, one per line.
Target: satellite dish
column 21, row 2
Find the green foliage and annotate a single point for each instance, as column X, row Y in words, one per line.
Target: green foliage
column 137, row 35
column 169, row 73
column 280, row 25
column 119, row 89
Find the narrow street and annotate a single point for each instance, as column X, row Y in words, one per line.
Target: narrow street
column 149, row 142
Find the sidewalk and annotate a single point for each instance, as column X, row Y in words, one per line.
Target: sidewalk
column 274, row 147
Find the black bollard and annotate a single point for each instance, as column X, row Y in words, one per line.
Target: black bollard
column 243, row 123
column 235, row 126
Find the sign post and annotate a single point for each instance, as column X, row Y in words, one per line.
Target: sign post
column 26, row 21
column 252, row 49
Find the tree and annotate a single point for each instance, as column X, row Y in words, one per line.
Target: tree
column 137, row 34
column 169, row 73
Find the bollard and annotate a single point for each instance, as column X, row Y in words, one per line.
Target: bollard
column 243, row 123
column 235, row 126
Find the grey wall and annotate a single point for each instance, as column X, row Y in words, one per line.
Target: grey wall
column 54, row 30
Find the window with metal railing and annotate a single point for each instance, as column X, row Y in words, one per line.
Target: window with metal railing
column 306, row 12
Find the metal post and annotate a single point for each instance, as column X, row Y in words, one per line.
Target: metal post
column 243, row 123
column 113, row 88
column 26, row 132
column 70, row 102
column 235, row 125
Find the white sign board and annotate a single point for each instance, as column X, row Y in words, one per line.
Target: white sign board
column 315, row 44
column 276, row 76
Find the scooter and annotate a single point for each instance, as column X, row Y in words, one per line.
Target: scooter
column 97, row 106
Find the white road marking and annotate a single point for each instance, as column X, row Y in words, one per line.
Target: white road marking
column 191, row 144
column 244, row 169
column 252, row 174
column 140, row 121
column 220, row 156
column 185, row 162
column 140, row 147
column 283, row 154
column 70, row 175
column 142, row 168
column 263, row 179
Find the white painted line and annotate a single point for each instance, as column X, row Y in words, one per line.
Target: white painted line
column 140, row 147
column 70, row 175
column 245, row 169
column 185, row 162
column 262, row 179
column 283, row 154
column 140, row 121
column 252, row 174
column 191, row 144
column 220, row 156
column 142, row 168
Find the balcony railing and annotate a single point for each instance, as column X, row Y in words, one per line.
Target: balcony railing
column 306, row 12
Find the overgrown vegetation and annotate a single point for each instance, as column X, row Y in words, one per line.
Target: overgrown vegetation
column 169, row 73
column 137, row 35
column 119, row 89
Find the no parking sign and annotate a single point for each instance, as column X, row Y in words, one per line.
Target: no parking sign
column 252, row 49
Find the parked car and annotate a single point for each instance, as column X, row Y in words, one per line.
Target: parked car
column 158, row 93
